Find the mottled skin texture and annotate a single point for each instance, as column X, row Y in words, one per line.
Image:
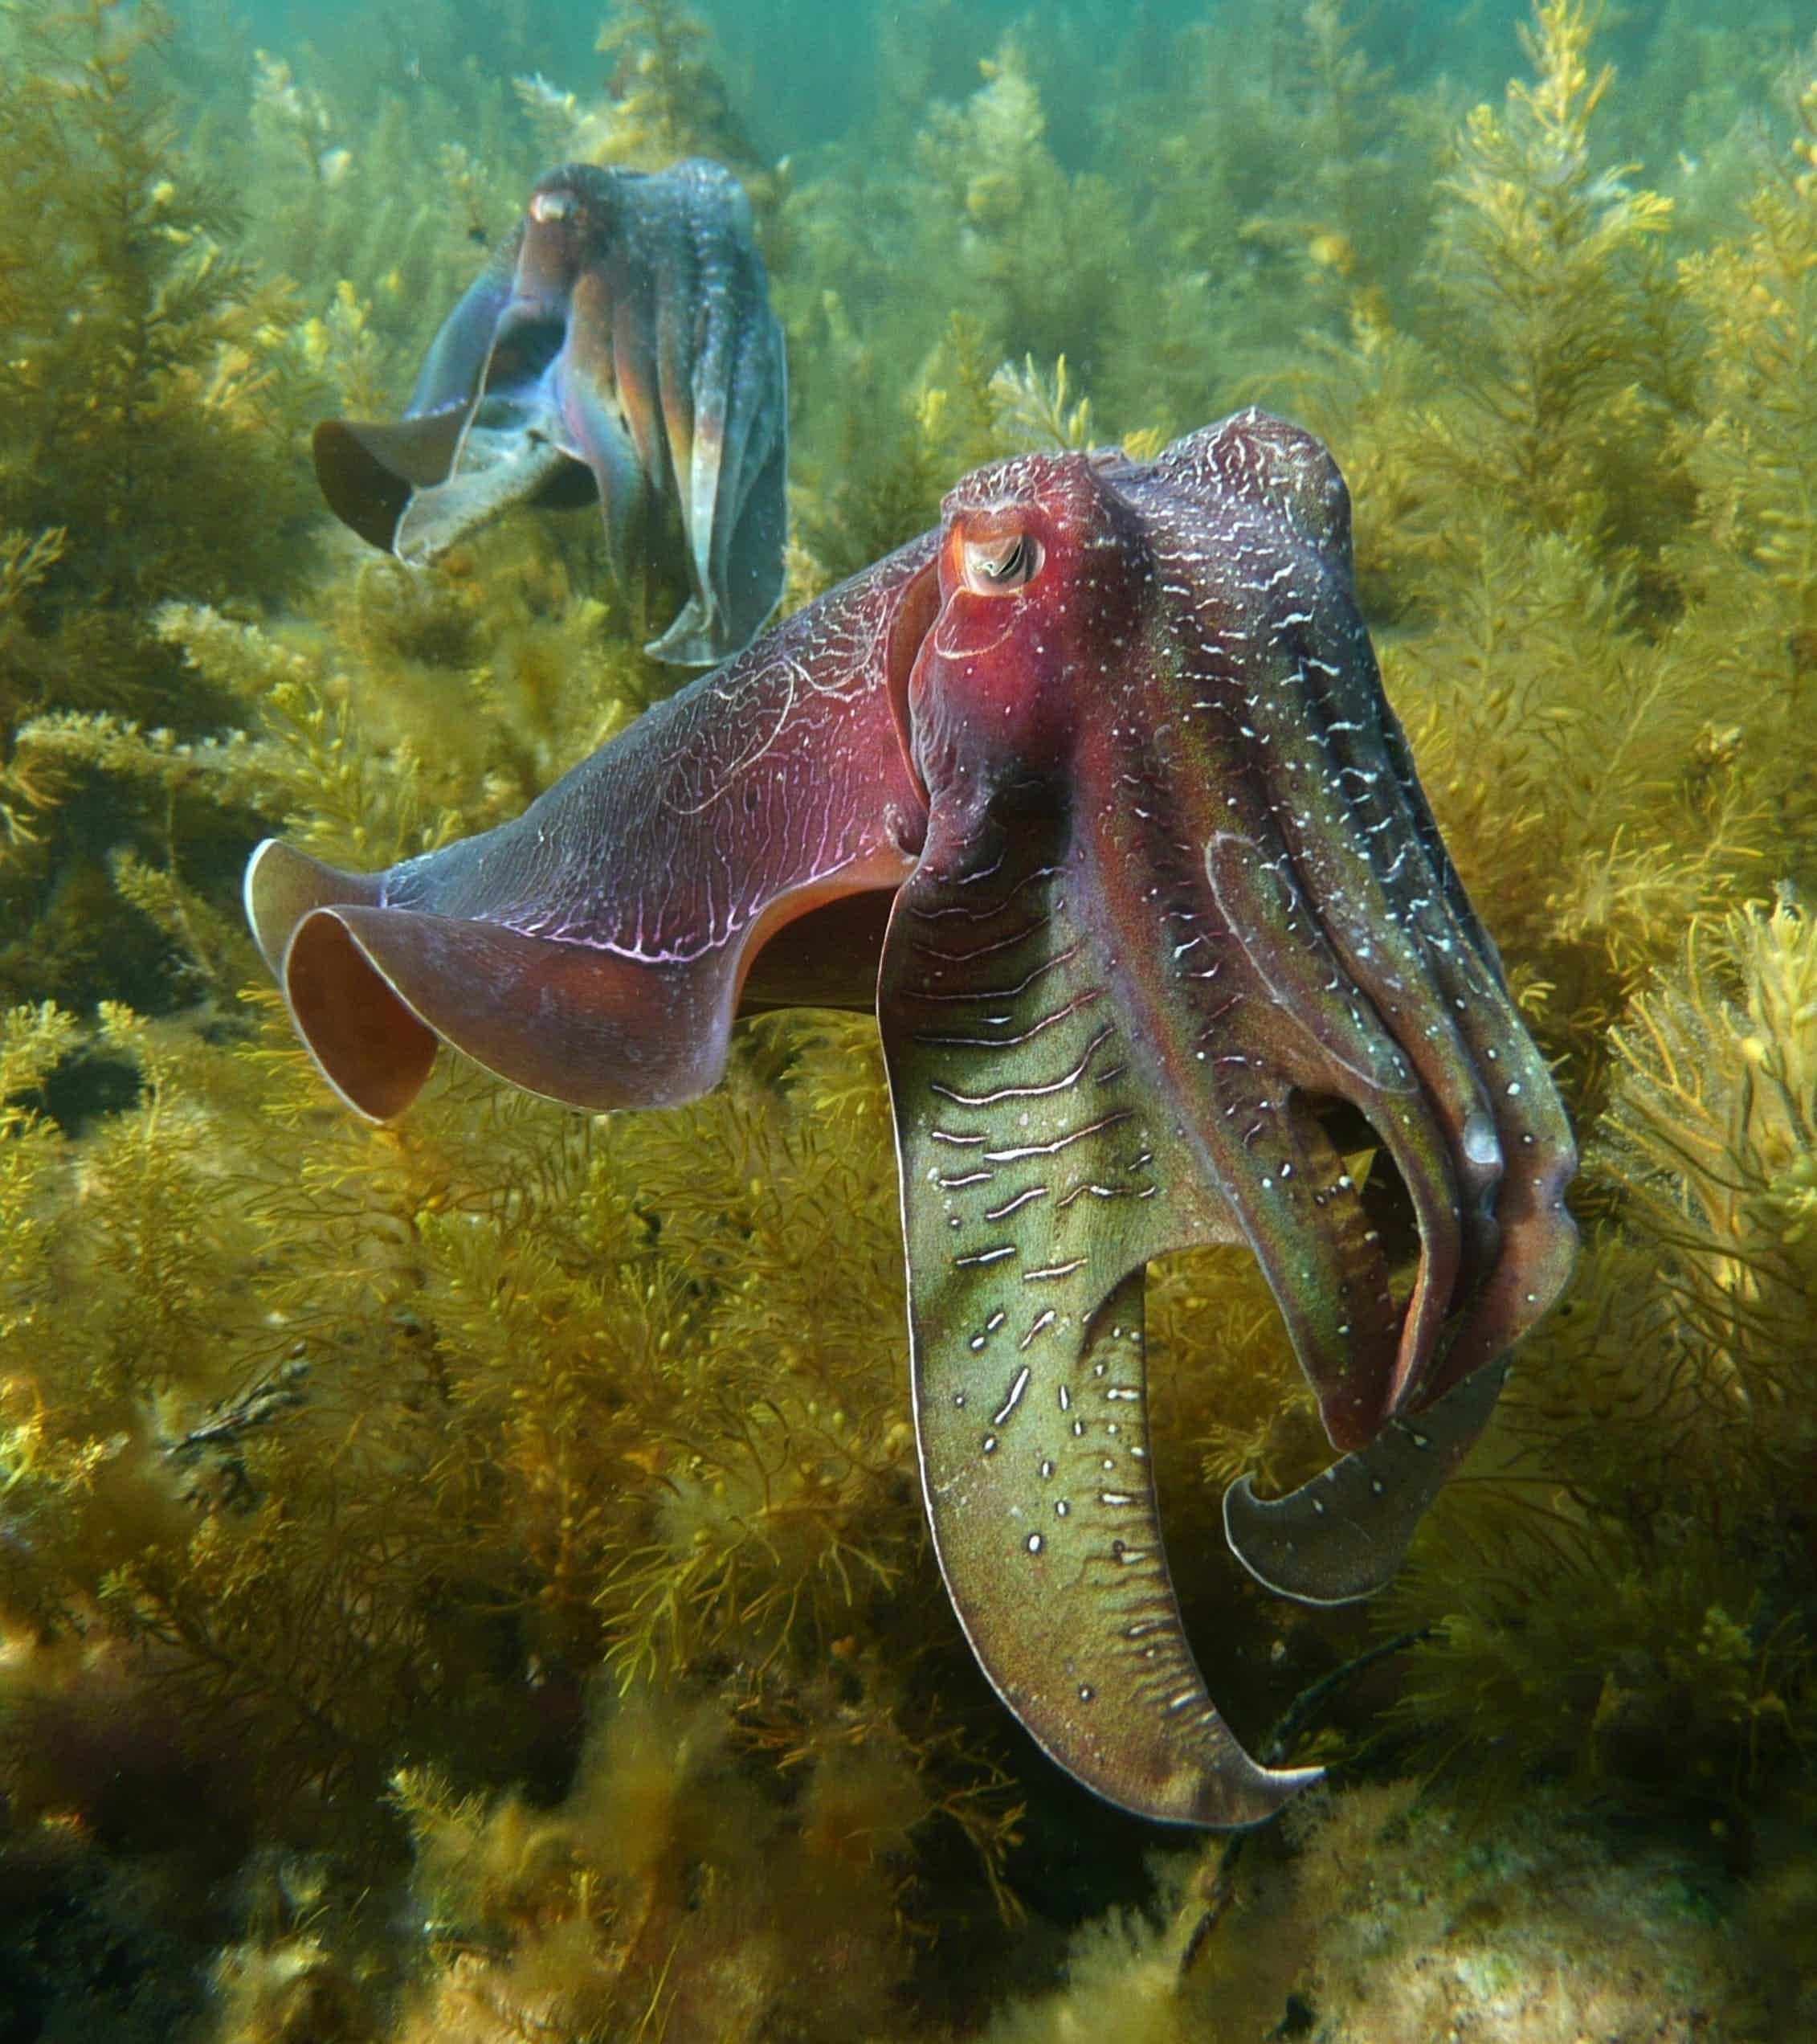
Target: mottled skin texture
column 1111, row 752
column 618, row 345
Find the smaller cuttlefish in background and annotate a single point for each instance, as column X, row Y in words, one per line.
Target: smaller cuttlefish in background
column 618, row 345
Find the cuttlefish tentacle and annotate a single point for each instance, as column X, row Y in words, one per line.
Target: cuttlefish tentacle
column 1256, row 1018
column 1372, row 874
column 1395, row 904
column 1249, row 1002
column 1305, row 686
column 724, row 404
column 1223, row 714
column 607, row 421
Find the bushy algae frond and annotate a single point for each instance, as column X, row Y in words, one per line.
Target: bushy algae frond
column 1540, row 258
column 1598, row 646
column 1593, row 801
column 148, row 413
column 144, row 445
column 1393, row 1920
column 1712, row 1135
column 513, row 1518
column 1625, row 1601
column 439, row 1420
column 380, row 211
column 665, row 97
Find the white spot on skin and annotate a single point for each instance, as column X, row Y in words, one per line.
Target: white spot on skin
column 1479, row 1144
column 1013, row 1398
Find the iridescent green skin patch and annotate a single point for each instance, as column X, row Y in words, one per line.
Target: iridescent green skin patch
column 1111, row 754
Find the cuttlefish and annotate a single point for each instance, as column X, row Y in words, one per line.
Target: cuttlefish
column 619, row 344
column 1095, row 791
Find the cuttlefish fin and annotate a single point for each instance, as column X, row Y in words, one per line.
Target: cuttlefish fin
column 1343, row 1535
column 596, row 949
column 369, row 470
column 1034, row 1188
column 372, row 990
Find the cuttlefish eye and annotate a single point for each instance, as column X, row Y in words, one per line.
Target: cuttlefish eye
column 991, row 567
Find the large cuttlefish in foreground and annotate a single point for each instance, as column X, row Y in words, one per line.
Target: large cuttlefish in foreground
column 1096, row 791
column 618, row 345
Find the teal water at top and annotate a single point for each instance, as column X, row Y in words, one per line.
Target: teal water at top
column 803, row 72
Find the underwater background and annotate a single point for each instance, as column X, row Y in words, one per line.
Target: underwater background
column 467, row 1580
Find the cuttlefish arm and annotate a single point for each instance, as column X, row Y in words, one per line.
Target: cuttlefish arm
column 1341, row 1537
column 1158, row 921
column 620, row 345
column 1358, row 841
column 721, row 385
column 1038, row 1177
column 597, row 949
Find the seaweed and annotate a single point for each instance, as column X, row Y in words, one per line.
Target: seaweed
column 472, row 1413
column 1541, row 260
column 1624, row 1597
column 149, row 413
column 510, row 1518
column 666, row 96
column 148, row 437
column 1388, row 1918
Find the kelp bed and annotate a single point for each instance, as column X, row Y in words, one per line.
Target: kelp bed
column 467, row 1580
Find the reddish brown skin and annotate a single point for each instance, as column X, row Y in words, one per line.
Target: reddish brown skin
column 1111, row 753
